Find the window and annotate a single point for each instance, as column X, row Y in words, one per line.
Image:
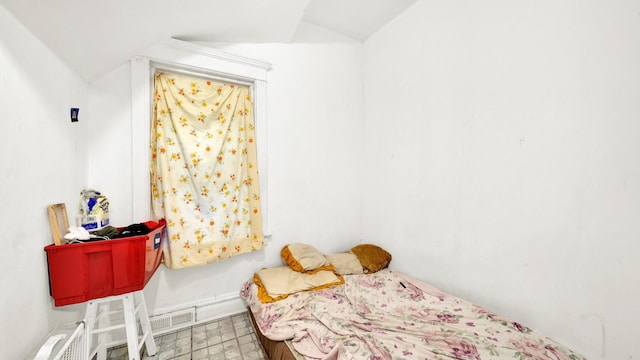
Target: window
column 184, row 57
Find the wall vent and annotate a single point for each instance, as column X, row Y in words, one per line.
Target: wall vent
column 173, row 321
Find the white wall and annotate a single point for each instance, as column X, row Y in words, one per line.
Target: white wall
column 502, row 148
column 111, row 153
column 500, row 157
column 43, row 162
column 314, row 162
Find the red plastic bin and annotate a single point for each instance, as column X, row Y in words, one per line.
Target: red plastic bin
column 91, row 270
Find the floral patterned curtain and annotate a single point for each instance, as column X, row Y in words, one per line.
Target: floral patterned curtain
column 204, row 175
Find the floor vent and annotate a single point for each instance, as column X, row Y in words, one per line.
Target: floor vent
column 176, row 320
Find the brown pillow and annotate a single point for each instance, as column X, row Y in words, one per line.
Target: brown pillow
column 373, row 258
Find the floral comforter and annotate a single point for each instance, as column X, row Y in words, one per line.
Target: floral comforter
column 388, row 315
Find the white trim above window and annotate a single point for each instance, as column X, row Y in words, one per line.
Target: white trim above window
column 180, row 56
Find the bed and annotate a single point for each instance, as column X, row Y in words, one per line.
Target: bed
column 389, row 315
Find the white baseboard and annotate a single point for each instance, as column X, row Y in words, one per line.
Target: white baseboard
column 225, row 305
column 197, row 312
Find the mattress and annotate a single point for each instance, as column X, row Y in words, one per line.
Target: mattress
column 275, row 350
column 389, row 315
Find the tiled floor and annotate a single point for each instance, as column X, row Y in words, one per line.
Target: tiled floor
column 231, row 338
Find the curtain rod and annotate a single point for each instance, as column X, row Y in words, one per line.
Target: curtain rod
column 199, row 73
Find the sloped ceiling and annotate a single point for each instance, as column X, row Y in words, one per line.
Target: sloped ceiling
column 356, row 19
column 95, row 36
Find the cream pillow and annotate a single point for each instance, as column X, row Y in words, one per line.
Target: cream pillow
column 279, row 282
column 346, row 263
column 304, row 258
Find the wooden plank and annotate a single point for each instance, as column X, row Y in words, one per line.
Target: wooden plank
column 58, row 222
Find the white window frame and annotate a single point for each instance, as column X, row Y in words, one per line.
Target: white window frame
column 188, row 58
